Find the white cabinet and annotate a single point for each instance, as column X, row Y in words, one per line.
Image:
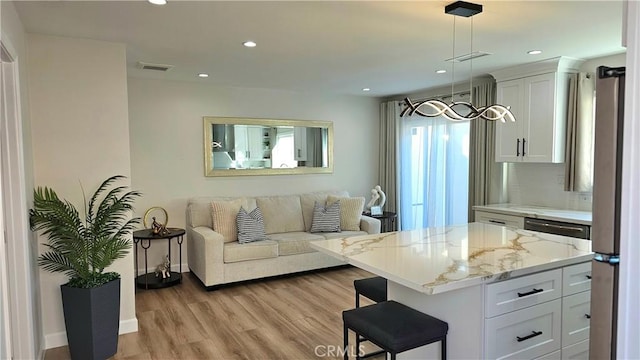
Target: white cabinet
column 539, row 316
column 499, row 219
column 525, row 334
column 248, row 142
column 255, row 140
column 537, row 134
column 300, row 143
column 576, row 312
column 537, row 94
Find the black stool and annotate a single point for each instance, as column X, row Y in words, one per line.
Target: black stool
column 374, row 288
column 393, row 327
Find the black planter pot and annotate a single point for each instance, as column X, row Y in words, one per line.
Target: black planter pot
column 92, row 318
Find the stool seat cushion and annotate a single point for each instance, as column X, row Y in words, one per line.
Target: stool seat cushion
column 374, row 288
column 395, row 327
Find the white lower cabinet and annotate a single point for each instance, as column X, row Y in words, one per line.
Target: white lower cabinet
column 539, row 316
column 556, row 355
column 525, row 334
column 576, row 312
column 576, row 351
column 499, row 219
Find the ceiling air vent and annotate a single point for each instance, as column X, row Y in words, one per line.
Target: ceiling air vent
column 469, row 56
column 156, row 67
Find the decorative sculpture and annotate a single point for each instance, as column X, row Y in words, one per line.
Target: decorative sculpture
column 378, row 199
column 164, row 269
column 158, row 229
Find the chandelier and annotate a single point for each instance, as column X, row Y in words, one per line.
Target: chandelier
column 458, row 110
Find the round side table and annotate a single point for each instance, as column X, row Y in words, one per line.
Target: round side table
column 148, row 280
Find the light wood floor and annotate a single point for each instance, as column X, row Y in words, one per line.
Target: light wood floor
column 298, row 317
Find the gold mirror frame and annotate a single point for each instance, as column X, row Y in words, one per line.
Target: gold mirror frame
column 209, row 170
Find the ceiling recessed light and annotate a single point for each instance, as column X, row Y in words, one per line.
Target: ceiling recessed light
column 249, row 44
column 441, row 71
column 203, row 75
column 158, row 2
column 366, row 89
column 534, row 52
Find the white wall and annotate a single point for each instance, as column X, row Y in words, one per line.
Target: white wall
column 167, row 158
column 27, row 333
column 543, row 184
column 80, row 133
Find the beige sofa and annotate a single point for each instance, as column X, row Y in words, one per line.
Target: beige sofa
column 216, row 259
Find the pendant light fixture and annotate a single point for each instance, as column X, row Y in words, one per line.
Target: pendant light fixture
column 455, row 110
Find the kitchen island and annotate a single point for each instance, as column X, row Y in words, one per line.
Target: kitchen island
column 466, row 275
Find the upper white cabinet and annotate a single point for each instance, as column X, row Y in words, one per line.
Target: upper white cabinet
column 537, row 94
column 300, row 143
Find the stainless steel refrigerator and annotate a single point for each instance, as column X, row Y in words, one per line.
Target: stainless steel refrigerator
column 605, row 233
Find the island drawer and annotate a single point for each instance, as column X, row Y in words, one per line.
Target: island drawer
column 576, row 278
column 514, row 294
column 499, row 219
column 576, row 351
column 525, row 334
column 576, row 312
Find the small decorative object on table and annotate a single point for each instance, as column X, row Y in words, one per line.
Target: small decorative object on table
column 164, row 269
column 378, row 198
column 157, row 228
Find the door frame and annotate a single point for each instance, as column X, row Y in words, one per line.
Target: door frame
column 21, row 248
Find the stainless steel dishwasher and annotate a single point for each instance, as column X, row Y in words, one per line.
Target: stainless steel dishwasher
column 558, row 228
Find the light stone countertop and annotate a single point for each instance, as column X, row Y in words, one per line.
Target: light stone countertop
column 540, row 212
column 436, row 260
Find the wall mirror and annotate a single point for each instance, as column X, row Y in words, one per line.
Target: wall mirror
column 245, row 146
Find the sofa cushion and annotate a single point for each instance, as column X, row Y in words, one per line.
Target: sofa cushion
column 224, row 214
column 343, row 234
column 281, row 213
column 309, row 199
column 350, row 211
column 234, row 251
column 250, row 226
column 326, row 218
column 292, row 243
column 199, row 209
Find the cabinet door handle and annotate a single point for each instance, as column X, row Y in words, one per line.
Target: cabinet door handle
column 518, row 148
column 534, row 291
column 523, row 145
column 587, row 316
column 497, row 222
column 532, row 335
column 299, row 152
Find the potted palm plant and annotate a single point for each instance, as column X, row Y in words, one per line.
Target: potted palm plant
column 82, row 247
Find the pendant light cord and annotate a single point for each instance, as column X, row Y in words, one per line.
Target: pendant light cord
column 471, row 65
column 453, row 56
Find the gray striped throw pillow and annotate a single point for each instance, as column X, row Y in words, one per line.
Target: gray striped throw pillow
column 326, row 218
column 250, row 226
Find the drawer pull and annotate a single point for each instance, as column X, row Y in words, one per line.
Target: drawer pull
column 589, row 277
column 534, row 291
column 532, row 335
column 587, row 316
column 497, row 222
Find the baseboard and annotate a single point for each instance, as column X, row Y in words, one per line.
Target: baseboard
column 60, row 338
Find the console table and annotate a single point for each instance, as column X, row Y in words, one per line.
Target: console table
column 148, row 280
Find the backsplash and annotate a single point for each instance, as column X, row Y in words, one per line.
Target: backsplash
column 543, row 185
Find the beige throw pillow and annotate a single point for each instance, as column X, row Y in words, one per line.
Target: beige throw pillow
column 224, row 214
column 350, row 211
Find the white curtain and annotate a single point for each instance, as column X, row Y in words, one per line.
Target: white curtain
column 434, row 172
